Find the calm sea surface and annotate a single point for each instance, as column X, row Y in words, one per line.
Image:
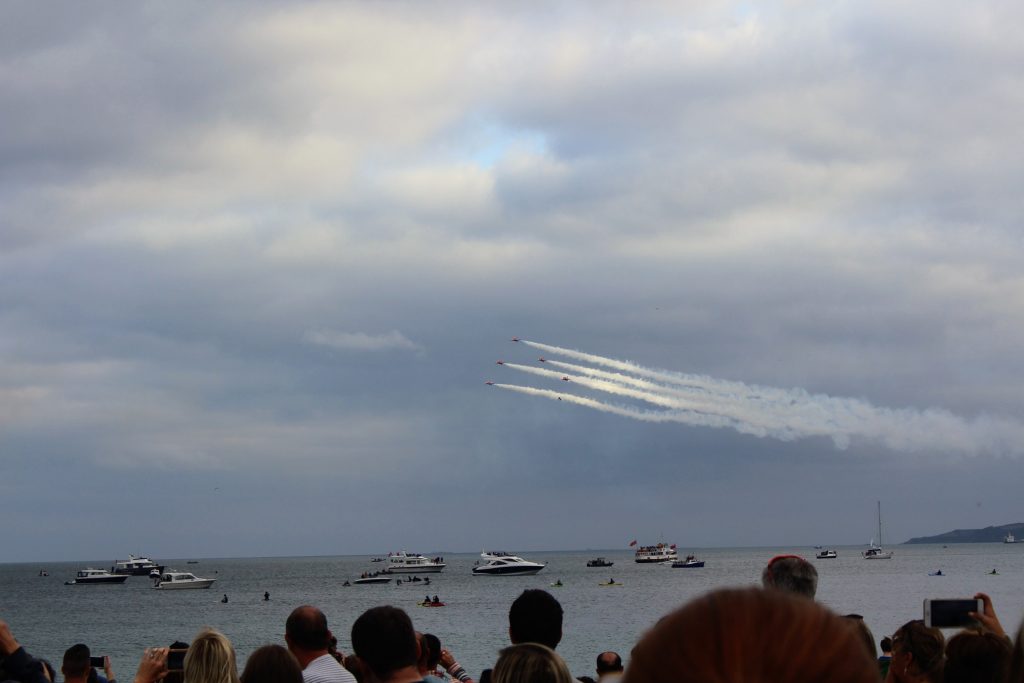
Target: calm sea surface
column 119, row 621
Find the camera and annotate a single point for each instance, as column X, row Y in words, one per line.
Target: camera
column 951, row 613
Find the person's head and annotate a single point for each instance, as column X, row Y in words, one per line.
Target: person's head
column 306, row 629
column 792, row 574
column 530, row 663
column 608, row 663
column 856, row 622
column 886, row 645
column 918, row 650
column 384, row 640
column 535, row 617
column 735, row 635
column 210, row 659
column 977, row 657
column 434, row 645
column 76, row 663
column 272, row 664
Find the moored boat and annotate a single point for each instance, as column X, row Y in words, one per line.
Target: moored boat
column 181, row 580
column 411, row 563
column 690, row 562
column 505, row 564
column 826, row 555
column 662, row 552
column 136, row 566
column 88, row 576
column 1009, row 538
column 599, row 562
column 875, row 552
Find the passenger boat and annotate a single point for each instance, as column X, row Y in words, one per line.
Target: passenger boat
column 663, row 552
column 599, row 562
column 505, row 564
column 875, row 552
column 135, row 566
column 180, row 581
column 410, row 563
column 1009, row 538
column 690, row 562
column 85, row 576
column 826, row 555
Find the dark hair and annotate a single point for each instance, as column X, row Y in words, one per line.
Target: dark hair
column 306, row 628
column 535, row 617
column 76, row 661
column 605, row 666
column 924, row 644
column 272, row 664
column 383, row 639
column 791, row 573
column 748, row 635
column 976, row 657
column 886, row 644
column 434, row 643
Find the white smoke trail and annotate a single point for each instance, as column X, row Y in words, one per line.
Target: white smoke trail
column 785, row 414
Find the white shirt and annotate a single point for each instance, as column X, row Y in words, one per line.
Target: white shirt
column 325, row 669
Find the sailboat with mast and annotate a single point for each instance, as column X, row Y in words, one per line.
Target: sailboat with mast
column 875, row 552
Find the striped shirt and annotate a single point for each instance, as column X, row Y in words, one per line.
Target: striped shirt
column 325, row 669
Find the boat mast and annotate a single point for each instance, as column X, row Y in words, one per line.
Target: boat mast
column 879, row 523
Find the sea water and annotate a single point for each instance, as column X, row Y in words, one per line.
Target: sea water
column 120, row 620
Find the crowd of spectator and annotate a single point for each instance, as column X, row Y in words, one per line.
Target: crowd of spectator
column 774, row 633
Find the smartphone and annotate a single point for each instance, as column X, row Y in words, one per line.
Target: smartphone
column 96, row 661
column 176, row 660
column 951, row 613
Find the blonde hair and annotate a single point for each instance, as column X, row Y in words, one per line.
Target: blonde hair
column 210, row 659
column 530, row 663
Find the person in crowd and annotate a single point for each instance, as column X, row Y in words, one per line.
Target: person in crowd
column 308, row 638
column 454, row 669
column 385, row 643
column 48, row 670
column 609, row 667
column 77, row 666
column 917, row 654
column 272, row 664
column 531, row 663
column 792, row 574
column 16, row 664
column 430, row 655
column 210, row 659
column 859, row 626
column 975, row 656
column 535, row 617
column 740, row 635
column 1016, row 660
column 885, row 657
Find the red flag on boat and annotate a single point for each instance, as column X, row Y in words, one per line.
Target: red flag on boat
column 632, row 543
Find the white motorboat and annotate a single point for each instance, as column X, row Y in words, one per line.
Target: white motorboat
column 180, row 581
column 826, row 555
column 85, row 576
column 875, row 552
column 411, row 563
column 662, row 552
column 505, row 564
column 136, row 566
column 690, row 562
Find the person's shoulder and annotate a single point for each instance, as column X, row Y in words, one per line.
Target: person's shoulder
column 326, row 669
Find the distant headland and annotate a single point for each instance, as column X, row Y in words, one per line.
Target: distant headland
column 990, row 534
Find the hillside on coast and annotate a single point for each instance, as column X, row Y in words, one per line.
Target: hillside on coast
column 990, row 534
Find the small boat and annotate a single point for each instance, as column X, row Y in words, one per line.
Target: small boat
column 599, row 562
column 826, row 555
column 374, row 577
column 690, row 562
column 875, row 552
column 432, row 603
column 409, row 563
column 557, row 584
column 43, row 572
column 192, row 562
column 505, row 564
column 937, row 572
column 87, row 576
column 610, row 582
column 180, row 581
column 1009, row 538
column 135, row 566
column 662, row 552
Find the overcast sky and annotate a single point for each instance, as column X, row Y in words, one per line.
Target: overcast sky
column 257, row 261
